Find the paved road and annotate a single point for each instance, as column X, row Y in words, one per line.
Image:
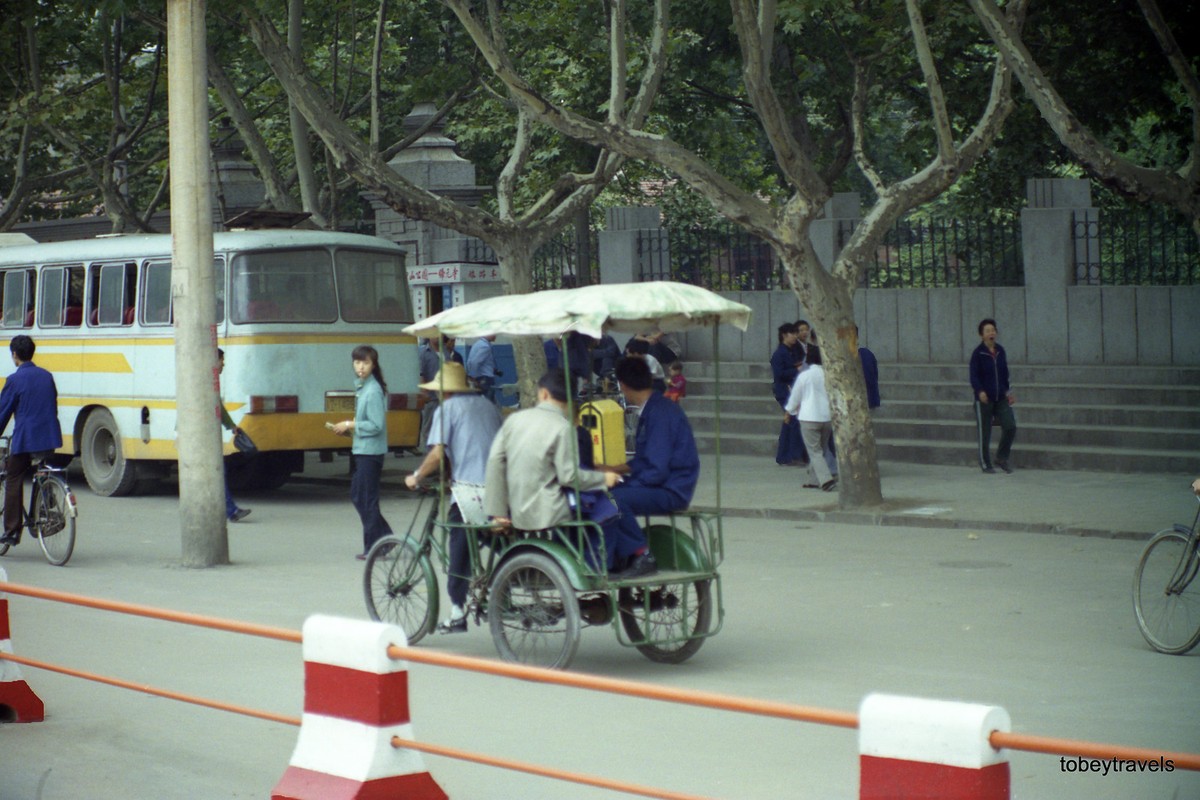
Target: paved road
column 816, row 613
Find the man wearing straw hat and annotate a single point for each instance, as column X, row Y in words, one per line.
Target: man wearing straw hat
column 462, row 429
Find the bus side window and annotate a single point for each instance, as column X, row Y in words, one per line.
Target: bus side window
column 19, row 293
column 53, row 303
column 75, row 284
column 156, row 294
column 114, row 287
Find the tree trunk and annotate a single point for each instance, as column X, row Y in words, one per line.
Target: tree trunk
column 305, row 175
column 516, row 270
column 830, row 305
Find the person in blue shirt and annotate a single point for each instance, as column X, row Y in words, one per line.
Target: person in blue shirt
column 481, row 366
column 663, row 473
column 785, row 364
column 993, row 397
column 462, row 431
column 870, row 368
column 30, row 400
column 369, row 429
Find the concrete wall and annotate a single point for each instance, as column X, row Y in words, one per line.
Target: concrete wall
column 1049, row 320
column 1147, row 325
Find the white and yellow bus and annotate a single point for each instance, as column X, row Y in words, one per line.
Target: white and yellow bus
column 290, row 307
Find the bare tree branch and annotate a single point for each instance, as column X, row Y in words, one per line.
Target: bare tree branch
column 933, row 84
column 1178, row 189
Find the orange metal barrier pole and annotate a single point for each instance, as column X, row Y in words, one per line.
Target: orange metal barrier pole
column 766, row 708
column 151, row 690
column 199, row 620
column 1075, row 747
column 545, row 772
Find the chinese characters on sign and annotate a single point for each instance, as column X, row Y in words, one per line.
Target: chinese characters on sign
column 452, row 273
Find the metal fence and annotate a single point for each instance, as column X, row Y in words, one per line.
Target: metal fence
column 1147, row 246
column 940, row 253
column 725, row 258
column 560, row 264
column 935, row 253
column 556, row 265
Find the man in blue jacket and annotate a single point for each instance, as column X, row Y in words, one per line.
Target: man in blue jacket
column 993, row 398
column 663, row 473
column 30, row 399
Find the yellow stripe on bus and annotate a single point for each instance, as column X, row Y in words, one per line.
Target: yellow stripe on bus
column 80, row 362
column 360, row 337
column 114, row 341
column 244, row 339
column 114, row 402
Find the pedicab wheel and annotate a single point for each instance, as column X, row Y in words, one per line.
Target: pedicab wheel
column 666, row 622
column 400, row 587
column 533, row 612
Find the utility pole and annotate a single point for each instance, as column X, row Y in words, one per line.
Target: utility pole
column 202, row 529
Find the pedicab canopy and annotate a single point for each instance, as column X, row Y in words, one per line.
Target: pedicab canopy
column 591, row 310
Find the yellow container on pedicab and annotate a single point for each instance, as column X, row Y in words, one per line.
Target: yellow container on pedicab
column 605, row 421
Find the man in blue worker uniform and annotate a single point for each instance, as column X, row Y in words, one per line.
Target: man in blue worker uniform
column 30, row 399
column 662, row 475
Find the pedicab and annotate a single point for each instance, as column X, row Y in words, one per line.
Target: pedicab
column 537, row 590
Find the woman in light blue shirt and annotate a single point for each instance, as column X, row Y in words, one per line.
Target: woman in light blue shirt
column 369, row 429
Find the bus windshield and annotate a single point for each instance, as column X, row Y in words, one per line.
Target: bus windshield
column 283, row 286
column 298, row 286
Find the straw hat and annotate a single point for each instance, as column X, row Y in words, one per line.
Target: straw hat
column 450, row 378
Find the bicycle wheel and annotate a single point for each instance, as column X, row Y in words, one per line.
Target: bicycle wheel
column 533, row 612
column 53, row 522
column 1166, row 598
column 400, row 587
column 666, row 622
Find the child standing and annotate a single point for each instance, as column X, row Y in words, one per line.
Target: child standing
column 676, row 384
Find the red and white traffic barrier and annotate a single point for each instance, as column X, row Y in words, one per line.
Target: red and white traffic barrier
column 18, row 703
column 355, row 701
column 912, row 748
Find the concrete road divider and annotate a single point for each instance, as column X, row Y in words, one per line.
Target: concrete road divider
column 18, row 703
column 355, row 701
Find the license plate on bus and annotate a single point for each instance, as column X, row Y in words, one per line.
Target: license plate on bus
column 339, row 402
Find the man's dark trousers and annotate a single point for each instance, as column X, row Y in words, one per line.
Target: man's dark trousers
column 17, row 469
column 984, row 413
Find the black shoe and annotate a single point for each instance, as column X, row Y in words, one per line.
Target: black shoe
column 239, row 515
column 829, row 485
column 453, row 625
column 1004, row 466
column 989, row 471
column 641, row 565
column 10, row 539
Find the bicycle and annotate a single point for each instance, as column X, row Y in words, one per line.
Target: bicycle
column 51, row 515
column 399, row 582
column 1166, row 597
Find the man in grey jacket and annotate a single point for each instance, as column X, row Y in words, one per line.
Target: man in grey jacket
column 533, row 459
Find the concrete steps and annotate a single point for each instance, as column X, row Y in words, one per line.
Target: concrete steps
column 1109, row 419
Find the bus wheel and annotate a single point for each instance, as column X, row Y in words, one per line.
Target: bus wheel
column 104, row 464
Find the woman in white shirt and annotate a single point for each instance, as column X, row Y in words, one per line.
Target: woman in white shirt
column 809, row 403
